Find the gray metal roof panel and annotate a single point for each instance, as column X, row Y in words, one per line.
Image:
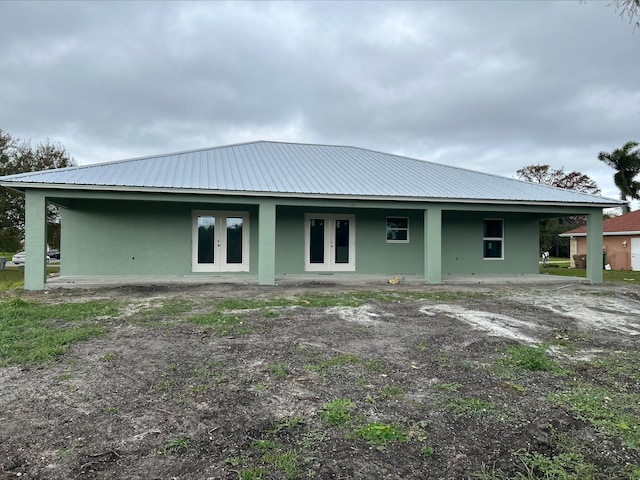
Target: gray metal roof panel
column 290, row 168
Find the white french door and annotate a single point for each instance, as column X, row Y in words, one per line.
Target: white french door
column 330, row 243
column 220, row 241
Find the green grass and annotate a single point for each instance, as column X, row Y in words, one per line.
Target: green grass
column 613, row 412
column 279, row 370
column 568, row 463
column 523, row 359
column 337, row 412
column 32, row 333
column 13, row 277
column 625, row 276
column 380, row 434
column 469, row 406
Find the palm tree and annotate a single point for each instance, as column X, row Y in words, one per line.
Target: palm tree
column 626, row 161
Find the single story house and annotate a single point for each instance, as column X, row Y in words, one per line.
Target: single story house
column 620, row 241
column 267, row 209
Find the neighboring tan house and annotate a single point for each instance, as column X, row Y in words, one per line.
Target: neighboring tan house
column 263, row 210
column 620, row 241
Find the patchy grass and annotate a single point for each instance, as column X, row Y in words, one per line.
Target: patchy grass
column 32, row 333
column 625, row 276
column 612, row 411
column 381, row 434
column 337, row 412
column 566, row 460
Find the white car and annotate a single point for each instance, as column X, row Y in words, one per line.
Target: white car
column 19, row 258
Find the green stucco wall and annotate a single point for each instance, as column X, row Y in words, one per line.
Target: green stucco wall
column 118, row 237
column 373, row 254
column 462, row 253
column 134, row 238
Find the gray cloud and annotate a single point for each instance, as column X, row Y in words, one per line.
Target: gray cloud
column 492, row 86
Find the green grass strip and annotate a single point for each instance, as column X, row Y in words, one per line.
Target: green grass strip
column 32, row 333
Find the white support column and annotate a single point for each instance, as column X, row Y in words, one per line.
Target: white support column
column 267, row 243
column 35, row 242
column 433, row 245
column 594, row 247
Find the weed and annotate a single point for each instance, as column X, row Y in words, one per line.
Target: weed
column 201, row 372
column 568, row 463
column 270, row 313
column 198, row 389
column 255, row 473
column 313, row 437
column 377, row 366
column 524, row 359
column 287, row 424
column 623, row 365
column 337, row 411
column 421, row 346
column 380, row 433
column 449, row 387
column 63, row 377
column 107, row 357
column 163, row 386
column 174, row 446
column 264, row 446
column 390, row 391
column 340, row 361
column 466, row 365
column 426, row 450
column 236, row 461
column 285, row 461
column 112, row 410
column 172, row 367
column 515, row 386
column 469, row 406
column 280, row 370
column 221, row 323
column 531, row 358
column 168, row 308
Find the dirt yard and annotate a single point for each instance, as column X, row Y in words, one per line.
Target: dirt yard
column 329, row 382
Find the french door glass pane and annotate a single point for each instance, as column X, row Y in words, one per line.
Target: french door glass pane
column 234, row 239
column 342, row 241
column 206, row 231
column 316, row 240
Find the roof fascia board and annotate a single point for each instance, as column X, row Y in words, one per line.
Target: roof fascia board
column 605, row 234
column 173, row 191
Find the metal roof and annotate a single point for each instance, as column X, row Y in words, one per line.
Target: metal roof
column 286, row 169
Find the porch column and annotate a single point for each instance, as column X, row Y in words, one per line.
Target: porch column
column 267, row 242
column 433, row 245
column 35, row 240
column 594, row 247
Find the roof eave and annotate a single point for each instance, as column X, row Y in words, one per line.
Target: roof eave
column 605, row 234
column 22, row 186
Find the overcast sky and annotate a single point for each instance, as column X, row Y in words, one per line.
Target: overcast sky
column 490, row 86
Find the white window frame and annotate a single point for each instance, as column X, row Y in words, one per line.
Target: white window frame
column 397, row 229
column 494, row 239
column 218, row 265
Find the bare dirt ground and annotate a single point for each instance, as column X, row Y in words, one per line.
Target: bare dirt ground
column 161, row 397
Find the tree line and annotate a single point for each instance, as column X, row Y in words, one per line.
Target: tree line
column 19, row 156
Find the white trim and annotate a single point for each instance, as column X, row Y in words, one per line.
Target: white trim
column 329, row 264
column 220, row 238
column 606, row 234
column 408, row 229
column 495, row 239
